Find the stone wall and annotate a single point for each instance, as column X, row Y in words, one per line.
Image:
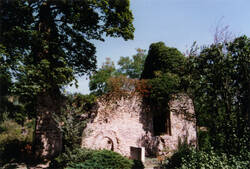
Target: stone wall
column 117, row 126
column 183, row 128
column 120, row 124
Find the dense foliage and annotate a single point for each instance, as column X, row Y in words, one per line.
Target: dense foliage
column 96, row 159
column 129, row 68
column 221, row 91
column 75, row 114
column 219, row 84
column 164, row 70
column 70, row 157
column 50, row 40
column 164, row 67
column 133, row 67
column 162, row 59
column 192, row 159
column 5, row 84
column 103, row 159
column 15, row 140
column 8, row 104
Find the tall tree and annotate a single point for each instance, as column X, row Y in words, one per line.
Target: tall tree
column 5, row 82
column 133, row 67
column 98, row 81
column 128, row 67
column 50, row 41
column 163, row 59
column 164, row 68
column 221, row 93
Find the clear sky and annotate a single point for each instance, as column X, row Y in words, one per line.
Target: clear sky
column 178, row 23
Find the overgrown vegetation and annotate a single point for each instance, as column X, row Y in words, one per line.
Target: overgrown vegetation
column 220, row 89
column 73, row 118
column 79, row 158
column 217, row 78
column 109, row 78
column 193, row 159
column 44, row 45
column 103, row 159
column 16, row 141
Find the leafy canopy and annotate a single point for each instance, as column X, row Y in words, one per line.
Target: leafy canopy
column 164, row 67
column 49, row 42
column 221, row 89
column 162, row 59
column 98, row 81
column 128, row 67
column 133, row 67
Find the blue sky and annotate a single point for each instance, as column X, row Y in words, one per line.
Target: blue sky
column 178, row 23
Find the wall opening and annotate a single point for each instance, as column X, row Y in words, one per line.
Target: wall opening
column 162, row 124
column 108, row 144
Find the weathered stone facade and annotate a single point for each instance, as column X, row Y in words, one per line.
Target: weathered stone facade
column 120, row 124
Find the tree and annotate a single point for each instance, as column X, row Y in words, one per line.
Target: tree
column 163, row 59
column 221, row 93
column 133, row 67
column 51, row 39
column 98, row 81
column 49, row 42
column 5, row 82
column 130, row 68
column 10, row 106
column 164, row 68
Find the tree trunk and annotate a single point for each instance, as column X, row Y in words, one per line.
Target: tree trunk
column 48, row 137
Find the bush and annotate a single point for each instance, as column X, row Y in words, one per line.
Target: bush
column 15, row 140
column 70, row 157
column 176, row 159
column 137, row 164
column 192, row 159
column 103, row 159
column 75, row 114
column 204, row 140
column 85, row 158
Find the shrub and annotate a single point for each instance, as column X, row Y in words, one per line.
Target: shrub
column 75, row 114
column 163, row 58
column 69, row 157
column 176, row 159
column 122, row 86
column 94, row 159
column 204, row 140
column 103, row 159
column 137, row 164
column 192, row 159
column 15, row 140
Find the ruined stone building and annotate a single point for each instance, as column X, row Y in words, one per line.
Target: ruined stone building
column 120, row 124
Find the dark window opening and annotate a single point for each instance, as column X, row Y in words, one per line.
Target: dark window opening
column 161, row 124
